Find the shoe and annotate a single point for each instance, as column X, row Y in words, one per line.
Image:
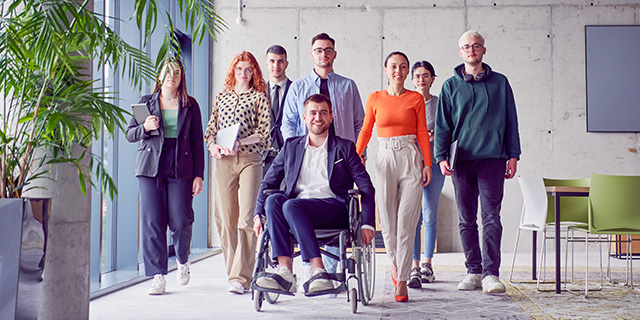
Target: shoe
column 236, row 288
column 158, row 286
column 491, row 284
column 271, row 283
column 402, row 298
column 415, row 281
column 395, row 283
column 320, row 284
column 184, row 274
column 471, row 282
column 427, row 273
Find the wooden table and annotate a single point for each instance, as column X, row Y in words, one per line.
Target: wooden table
column 558, row 192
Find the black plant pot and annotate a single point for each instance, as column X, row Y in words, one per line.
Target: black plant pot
column 23, row 234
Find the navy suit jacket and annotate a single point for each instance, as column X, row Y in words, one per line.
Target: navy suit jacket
column 189, row 144
column 343, row 166
column 276, row 117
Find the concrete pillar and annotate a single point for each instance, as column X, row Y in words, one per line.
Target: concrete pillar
column 65, row 286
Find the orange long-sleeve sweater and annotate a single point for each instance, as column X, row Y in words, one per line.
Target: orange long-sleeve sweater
column 396, row 116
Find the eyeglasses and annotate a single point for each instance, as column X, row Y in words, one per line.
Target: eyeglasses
column 424, row 76
column 327, row 51
column 247, row 71
column 475, row 47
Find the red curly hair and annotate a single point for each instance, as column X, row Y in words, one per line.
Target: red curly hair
column 257, row 82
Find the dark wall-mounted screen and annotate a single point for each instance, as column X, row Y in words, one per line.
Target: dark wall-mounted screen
column 613, row 78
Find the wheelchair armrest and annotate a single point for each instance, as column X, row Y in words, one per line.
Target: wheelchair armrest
column 269, row 192
column 354, row 192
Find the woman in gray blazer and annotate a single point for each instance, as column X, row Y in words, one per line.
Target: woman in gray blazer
column 169, row 168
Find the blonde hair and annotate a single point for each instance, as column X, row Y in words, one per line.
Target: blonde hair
column 471, row 33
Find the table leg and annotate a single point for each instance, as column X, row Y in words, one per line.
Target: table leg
column 558, row 262
column 533, row 254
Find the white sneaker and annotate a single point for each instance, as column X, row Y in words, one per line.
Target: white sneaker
column 320, row 284
column 236, row 288
column 270, row 283
column 183, row 273
column 471, row 282
column 491, row 284
column 158, row 286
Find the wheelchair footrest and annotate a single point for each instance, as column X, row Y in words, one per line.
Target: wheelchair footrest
column 337, row 290
column 258, row 288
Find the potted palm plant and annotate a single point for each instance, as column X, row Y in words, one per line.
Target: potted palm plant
column 49, row 109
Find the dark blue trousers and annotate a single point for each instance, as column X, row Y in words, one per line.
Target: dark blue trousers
column 165, row 201
column 483, row 179
column 302, row 216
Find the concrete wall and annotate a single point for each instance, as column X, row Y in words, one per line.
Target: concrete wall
column 538, row 45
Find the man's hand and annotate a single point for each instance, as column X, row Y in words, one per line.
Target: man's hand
column 426, row 175
column 196, row 187
column 257, row 225
column 444, row 168
column 367, row 235
column 512, row 165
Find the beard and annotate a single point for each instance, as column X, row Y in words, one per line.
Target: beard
column 318, row 130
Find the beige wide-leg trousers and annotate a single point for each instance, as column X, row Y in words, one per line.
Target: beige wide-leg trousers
column 237, row 181
column 399, row 198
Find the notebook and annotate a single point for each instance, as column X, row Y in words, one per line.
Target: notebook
column 141, row 112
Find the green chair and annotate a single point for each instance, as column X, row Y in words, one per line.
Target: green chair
column 614, row 209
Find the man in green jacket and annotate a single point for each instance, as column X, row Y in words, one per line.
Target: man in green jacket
column 477, row 109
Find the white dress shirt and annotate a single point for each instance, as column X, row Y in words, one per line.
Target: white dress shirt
column 313, row 180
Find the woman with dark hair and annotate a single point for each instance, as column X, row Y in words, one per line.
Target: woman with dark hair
column 169, row 172
column 423, row 76
column 400, row 118
column 238, row 172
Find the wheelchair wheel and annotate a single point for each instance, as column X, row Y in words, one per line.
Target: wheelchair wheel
column 271, row 297
column 353, row 299
column 367, row 274
column 258, row 296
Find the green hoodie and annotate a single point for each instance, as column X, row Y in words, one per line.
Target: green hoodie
column 481, row 115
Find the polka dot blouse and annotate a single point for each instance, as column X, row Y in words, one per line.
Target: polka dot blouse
column 250, row 109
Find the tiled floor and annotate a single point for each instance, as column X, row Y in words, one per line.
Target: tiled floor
column 206, row 297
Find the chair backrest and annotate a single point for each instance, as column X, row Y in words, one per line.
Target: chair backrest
column 534, row 208
column 614, row 204
column 574, row 209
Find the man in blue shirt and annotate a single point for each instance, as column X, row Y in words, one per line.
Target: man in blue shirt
column 347, row 109
column 347, row 106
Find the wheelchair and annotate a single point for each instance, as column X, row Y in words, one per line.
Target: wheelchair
column 356, row 274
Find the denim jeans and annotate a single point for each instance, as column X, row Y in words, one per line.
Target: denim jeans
column 430, row 198
column 485, row 179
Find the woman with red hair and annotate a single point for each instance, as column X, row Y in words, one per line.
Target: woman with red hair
column 238, row 171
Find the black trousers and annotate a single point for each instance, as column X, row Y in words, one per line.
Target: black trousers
column 165, row 202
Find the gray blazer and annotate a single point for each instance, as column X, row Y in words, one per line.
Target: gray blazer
column 189, row 145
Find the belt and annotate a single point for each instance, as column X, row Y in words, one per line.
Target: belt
column 396, row 144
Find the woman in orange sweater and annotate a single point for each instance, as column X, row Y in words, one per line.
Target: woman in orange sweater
column 400, row 117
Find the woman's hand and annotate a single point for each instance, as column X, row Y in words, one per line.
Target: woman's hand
column 257, row 225
column 233, row 152
column 151, row 123
column 197, row 186
column 215, row 150
column 426, row 175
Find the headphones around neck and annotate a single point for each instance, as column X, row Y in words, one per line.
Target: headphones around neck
column 469, row 77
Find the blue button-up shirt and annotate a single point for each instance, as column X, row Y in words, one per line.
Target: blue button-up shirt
column 348, row 112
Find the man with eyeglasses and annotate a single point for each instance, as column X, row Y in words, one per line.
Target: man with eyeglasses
column 477, row 109
column 347, row 106
column 347, row 109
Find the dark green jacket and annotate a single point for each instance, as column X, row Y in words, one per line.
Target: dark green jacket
column 481, row 115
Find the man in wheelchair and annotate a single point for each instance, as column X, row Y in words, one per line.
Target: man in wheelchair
column 317, row 170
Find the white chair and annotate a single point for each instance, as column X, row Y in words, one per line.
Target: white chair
column 534, row 215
